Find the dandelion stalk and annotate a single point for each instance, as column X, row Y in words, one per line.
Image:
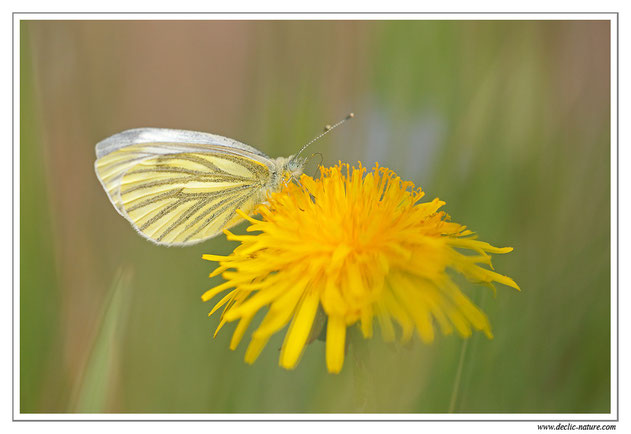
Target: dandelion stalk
column 361, row 376
column 456, row 389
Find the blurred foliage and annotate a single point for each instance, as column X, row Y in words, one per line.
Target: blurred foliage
column 508, row 121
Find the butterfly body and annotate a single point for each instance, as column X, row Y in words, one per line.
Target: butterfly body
column 180, row 187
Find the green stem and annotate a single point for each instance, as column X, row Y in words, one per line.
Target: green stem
column 456, row 390
column 361, row 379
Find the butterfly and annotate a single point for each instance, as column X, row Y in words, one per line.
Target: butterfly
column 179, row 188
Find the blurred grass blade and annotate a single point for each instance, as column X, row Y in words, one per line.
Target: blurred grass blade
column 99, row 376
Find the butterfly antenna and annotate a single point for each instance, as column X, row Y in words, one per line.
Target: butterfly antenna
column 327, row 130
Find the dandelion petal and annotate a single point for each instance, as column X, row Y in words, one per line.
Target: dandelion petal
column 335, row 341
column 299, row 331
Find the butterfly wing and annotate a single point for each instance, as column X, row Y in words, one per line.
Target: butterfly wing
column 180, row 187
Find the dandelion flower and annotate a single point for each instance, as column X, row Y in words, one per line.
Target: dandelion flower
column 358, row 246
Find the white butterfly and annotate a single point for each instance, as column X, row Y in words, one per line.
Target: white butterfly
column 179, row 187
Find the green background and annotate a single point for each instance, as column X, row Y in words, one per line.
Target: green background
column 507, row 121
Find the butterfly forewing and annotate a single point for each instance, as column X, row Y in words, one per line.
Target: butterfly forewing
column 182, row 193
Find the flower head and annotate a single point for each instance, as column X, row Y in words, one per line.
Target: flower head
column 359, row 246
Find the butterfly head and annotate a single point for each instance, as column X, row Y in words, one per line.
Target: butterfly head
column 291, row 168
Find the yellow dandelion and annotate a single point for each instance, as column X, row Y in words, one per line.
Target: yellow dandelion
column 359, row 246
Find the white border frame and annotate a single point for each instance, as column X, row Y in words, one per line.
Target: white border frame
column 545, row 418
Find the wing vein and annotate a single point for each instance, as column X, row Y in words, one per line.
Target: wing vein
column 214, row 215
